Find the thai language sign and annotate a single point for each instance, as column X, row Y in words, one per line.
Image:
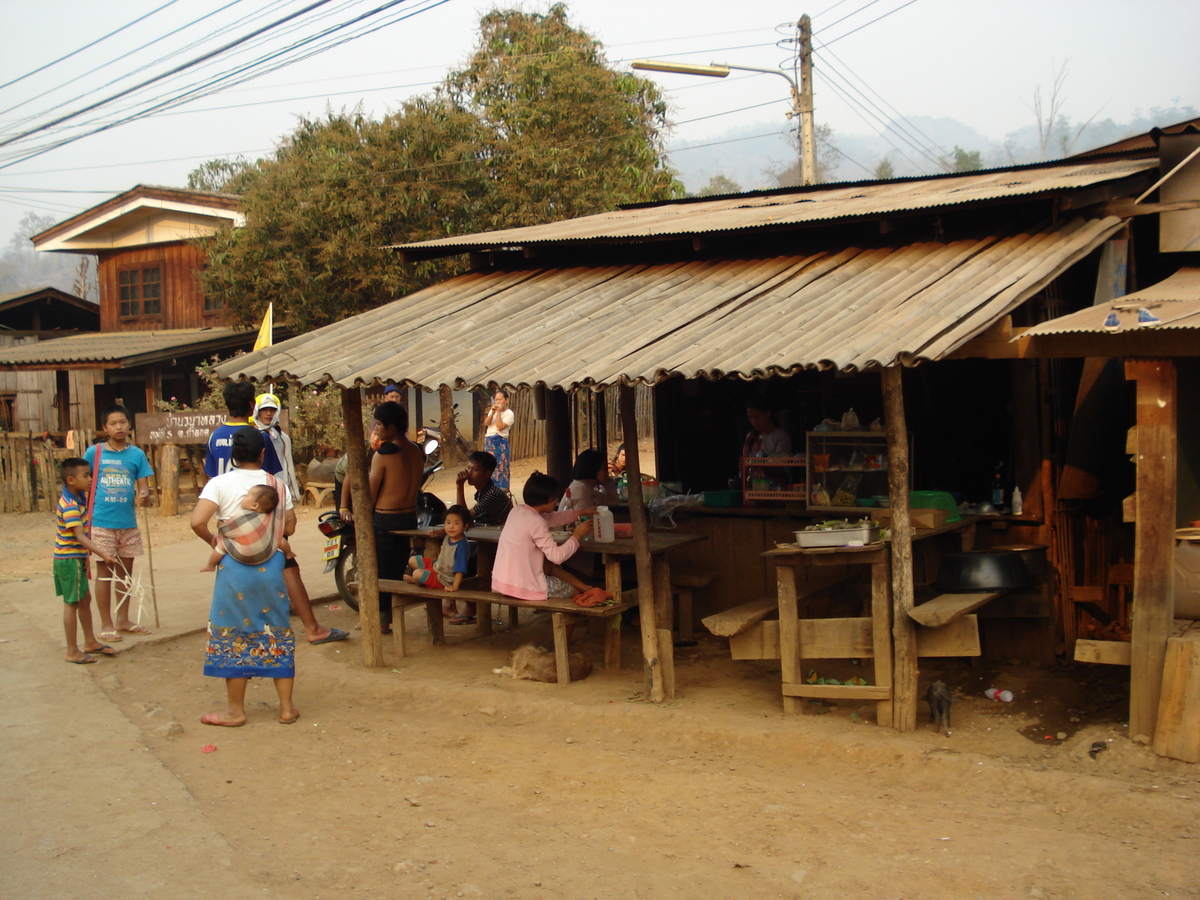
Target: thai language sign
column 187, row 427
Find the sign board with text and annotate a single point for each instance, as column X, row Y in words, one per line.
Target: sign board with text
column 186, row 427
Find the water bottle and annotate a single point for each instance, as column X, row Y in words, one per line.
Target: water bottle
column 997, row 694
column 602, row 525
column 1017, row 503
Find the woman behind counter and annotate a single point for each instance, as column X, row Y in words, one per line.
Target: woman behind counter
column 765, row 438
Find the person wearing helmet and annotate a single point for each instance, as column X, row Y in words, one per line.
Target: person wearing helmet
column 266, row 412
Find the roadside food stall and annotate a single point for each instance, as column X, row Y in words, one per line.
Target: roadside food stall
column 900, row 299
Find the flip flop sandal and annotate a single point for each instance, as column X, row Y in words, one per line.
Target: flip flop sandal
column 462, row 620
column 104, row 651
column 214, row 719
column 83, row 662
column 296, row 710
column 136, row 629
column 111, row 636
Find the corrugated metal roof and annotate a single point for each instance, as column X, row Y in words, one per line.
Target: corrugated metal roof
column 847, row 309
column 805, row 205
column 114, row 346
column 1174, row 301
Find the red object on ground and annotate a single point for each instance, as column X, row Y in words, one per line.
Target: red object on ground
column 208, row 748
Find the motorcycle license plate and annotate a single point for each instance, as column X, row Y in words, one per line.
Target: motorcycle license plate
column 333, row 547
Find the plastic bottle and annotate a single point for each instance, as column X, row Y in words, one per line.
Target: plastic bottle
column 997, row 694
column 602, row 524
column 1017, row 502
column 997, row 491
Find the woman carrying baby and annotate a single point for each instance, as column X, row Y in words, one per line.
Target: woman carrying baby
column 249, row 631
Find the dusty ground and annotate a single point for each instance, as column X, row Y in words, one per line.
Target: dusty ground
column 432, row 777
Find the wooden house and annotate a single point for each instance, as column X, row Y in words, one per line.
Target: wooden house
column 156, row 324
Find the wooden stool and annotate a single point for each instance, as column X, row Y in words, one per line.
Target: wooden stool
column 684, row 582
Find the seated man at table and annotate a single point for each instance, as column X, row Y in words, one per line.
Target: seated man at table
column 492, row 503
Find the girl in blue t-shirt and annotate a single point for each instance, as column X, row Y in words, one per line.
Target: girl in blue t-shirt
column 119, row 481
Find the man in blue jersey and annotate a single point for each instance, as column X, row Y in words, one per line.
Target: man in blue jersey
column 239, row 402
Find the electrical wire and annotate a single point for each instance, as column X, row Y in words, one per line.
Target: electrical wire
column 872, row 22
column 848, row 16
column 855, row 107
column 244, row 73
column 87, row 46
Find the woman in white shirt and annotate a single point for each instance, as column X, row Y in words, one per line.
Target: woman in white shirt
column 498, row 422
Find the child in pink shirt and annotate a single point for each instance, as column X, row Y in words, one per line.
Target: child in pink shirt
column 527, row 557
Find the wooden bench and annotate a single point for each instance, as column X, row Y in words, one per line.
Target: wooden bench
column 559, row 610
column 320, row 491
column 945, row 608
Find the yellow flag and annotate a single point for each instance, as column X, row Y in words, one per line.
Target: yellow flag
column 268, row 325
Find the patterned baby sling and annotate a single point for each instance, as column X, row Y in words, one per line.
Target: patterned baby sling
column 252, row 538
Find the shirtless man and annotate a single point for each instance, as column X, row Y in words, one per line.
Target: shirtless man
column 395, row 479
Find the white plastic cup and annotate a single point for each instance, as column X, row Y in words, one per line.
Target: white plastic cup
column 997, row 694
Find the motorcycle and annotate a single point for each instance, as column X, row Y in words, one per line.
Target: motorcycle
column 339, row 555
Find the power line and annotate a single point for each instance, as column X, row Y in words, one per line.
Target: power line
column 180, row 68
column 849, row 16
column 872, row 22
column 87, row 46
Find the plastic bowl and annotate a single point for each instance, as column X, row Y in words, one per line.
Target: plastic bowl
column 865, row 501
column 882, row 500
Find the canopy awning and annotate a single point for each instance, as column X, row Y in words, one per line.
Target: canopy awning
column 566, row 327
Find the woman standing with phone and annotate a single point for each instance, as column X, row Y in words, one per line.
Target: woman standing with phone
column 498, row 422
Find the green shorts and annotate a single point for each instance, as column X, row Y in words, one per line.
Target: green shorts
column 70, row 582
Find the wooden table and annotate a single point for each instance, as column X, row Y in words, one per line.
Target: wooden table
column 661, row 543
column 787, row 563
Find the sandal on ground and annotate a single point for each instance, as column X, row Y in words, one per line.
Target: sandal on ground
column 87, row 658
column 102, row 650
column 215, row 719
column 291, row 721
column 462, row 620
column 135, row 629
column 110, row 636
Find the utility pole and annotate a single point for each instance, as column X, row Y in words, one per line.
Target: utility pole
column 804, row 105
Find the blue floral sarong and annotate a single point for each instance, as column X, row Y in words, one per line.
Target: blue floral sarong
column 498, row 446
column 249, row 632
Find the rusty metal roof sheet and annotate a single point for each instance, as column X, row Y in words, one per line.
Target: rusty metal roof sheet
column 565, row 327
column 1174, row 302
column 804, row 205
column 120, row 347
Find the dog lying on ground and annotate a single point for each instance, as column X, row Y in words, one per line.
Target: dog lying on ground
column 939, row 699
column 536, row 664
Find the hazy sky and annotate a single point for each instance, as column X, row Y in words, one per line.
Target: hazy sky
column 978, row 62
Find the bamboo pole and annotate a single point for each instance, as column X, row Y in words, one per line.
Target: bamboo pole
column 651, row 645
column 904, row 630
column 364, row 532
column 150, row 564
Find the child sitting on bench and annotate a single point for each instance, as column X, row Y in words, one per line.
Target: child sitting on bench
column 527, row 556
column 448, row 570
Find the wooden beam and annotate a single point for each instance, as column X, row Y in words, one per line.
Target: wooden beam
column 1178, row 733
column 651, row 645
column 1154, row 537
column 168, row 481
column 904, row 630
column 364, row 532
column 558, row 436
column 1126, row 207
column 946, row 608
column 995, row 342
column 1144, row 342
column 1112, row 653
column 837, row 691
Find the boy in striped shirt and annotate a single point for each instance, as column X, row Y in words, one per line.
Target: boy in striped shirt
column 71, row 548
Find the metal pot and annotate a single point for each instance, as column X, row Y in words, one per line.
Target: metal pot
column 983, row 570
column 1033, row 555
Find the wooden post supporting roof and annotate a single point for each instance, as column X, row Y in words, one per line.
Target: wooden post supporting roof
column 558, row 435
column 364, row 534
column 652, row 646
column 904, row 630
column 1154, row 537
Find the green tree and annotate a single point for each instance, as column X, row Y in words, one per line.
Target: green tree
column 966, row 160
column 719, row 184
column 227, row 176
column 320, row 215
column 535, row 128
column 570, row 136
column 885, row 170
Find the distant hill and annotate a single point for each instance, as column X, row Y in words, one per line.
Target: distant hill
column 753, row 154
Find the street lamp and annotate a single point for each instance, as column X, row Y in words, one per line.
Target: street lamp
column 802, row 98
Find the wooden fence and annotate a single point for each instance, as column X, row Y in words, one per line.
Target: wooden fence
column 29, row 479
column 529, row 434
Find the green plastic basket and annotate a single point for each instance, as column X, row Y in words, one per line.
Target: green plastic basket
column 935, row 500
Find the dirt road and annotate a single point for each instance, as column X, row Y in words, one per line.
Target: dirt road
column 434, row 777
